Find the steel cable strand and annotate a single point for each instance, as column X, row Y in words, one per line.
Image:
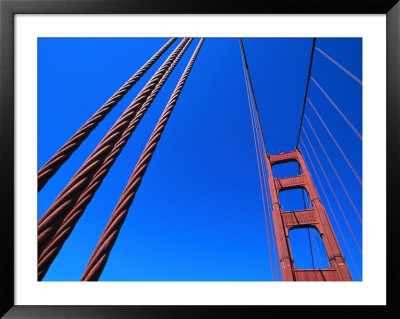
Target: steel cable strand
column 340, row 66
column 306, row 91
column 336, row 108
column 334, row 194
column 50, row 252
column 334, row 170
column 123, row 139
column 124, row 119
column 261, row 154
column 330, row 207
column 269, row 202
column 256, row 146
column 50, row 221
column 269, row 205
column 102, row 251
column 336, row 143
column 259, row 145
column 258, row 155
column 62, row 204
column 142, row 159
column 61, row 156
column 265, row 186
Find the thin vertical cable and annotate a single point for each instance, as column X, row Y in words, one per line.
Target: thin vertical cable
column 263, row 153
column 252, row 91
column 251, row 95
column 330, row 208
column 269, row 206
column 308, row 228
column 312, row 255
column 107, row 240
column 62, row 155
column 259, row 173
column 257, row 134
column 262, row 192
column 265, row 185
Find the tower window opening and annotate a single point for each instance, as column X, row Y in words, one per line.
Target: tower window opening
column 294, row 199
column 286, row 169
column 308, row 249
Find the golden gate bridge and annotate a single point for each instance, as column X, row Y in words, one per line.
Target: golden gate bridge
column 55, row 226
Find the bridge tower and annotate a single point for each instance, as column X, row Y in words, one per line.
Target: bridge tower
column 315, row 217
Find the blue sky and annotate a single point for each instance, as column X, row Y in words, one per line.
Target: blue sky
column 198, row 213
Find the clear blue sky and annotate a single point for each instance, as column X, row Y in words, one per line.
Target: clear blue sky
column 198, row 213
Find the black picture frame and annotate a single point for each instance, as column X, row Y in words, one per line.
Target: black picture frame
column 8, row 8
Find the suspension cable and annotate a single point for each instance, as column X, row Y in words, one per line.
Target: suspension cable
column 252, row 91
column 265, row 184
column 269, row 206
column 308, row 228
column 62, row 155
column 263, row 151
column 330, row 208
column 253, row 124
column 50, row 221
column 337, row 108
column 306, row 92
column 336, row 143
column 311, row 249
column 262, row 191
column 334, row 170
column 107, row 240
column 68, row 224
column 333, row 193
column 340, row 66
column 269, row 203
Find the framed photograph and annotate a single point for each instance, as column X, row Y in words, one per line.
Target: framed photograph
column 159, row 155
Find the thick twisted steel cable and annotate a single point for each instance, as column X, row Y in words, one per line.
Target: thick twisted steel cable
column 50, row 252
column 102, row 251
column 61, row 156
column 50, row 221
column 43, row 265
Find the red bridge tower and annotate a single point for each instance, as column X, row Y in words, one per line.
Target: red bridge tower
column 315, row 217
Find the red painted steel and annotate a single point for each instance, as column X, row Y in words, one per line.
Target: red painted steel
column 316, row 217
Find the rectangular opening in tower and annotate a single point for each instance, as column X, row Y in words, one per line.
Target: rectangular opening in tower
column 294, row 199
column 308, row 249
column 286, row 169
